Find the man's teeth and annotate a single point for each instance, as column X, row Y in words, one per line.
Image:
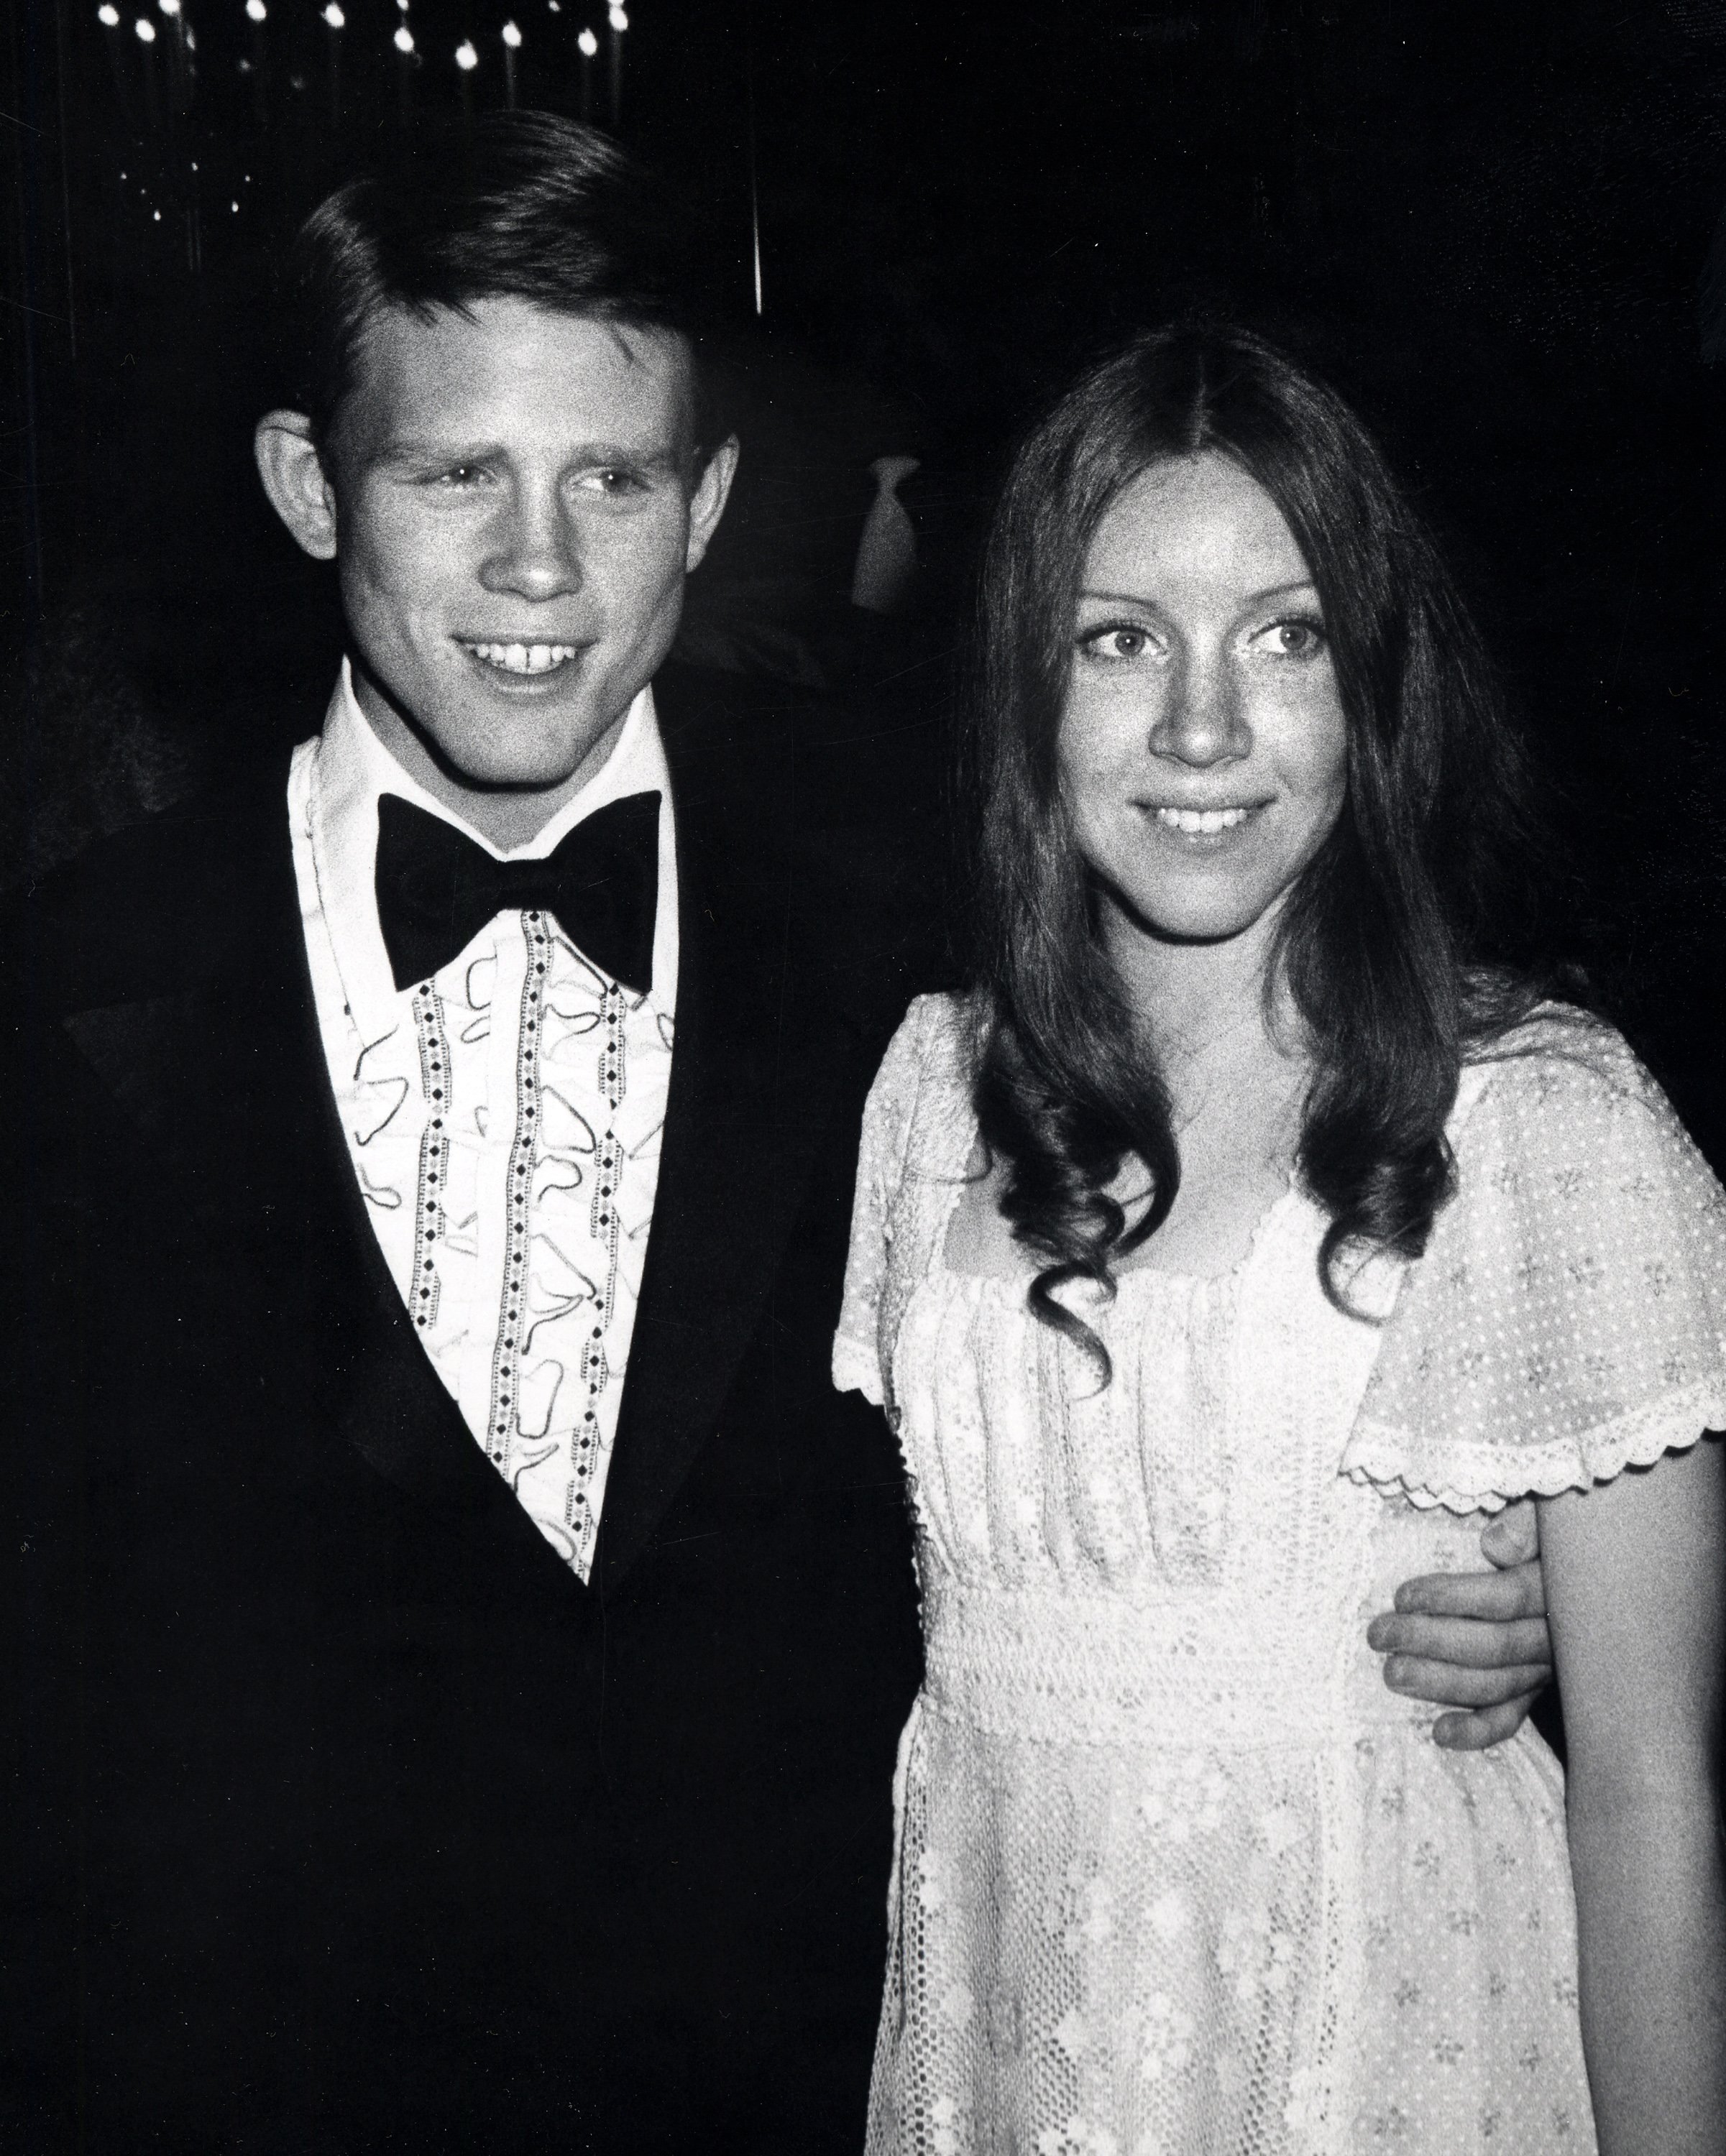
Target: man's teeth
column 1195, row 821
column 524, row 657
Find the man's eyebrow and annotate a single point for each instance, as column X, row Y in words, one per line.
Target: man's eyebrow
column 1253, row 598
column 409, row 450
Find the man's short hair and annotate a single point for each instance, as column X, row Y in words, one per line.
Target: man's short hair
column 529, row 206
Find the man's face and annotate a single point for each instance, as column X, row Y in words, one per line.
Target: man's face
column 517, row 504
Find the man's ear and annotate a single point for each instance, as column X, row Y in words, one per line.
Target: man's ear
column 295, row 480
column 707, row 505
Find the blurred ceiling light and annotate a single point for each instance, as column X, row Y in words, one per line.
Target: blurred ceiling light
column 405, row 39
column 466, row 59
column 590, row 44
column 146, row 31
column 511, row 37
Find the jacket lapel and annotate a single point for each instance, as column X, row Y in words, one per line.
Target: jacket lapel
column 749, row 1078
column 223, row 1073
column 226, row 1080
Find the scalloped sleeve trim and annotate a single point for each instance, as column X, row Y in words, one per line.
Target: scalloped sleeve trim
column 1569, row 1317
column 856, row 1368
column 1486, row 1477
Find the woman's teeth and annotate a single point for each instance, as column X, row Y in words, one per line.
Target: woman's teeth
column 1202, row 820
column 524, row 657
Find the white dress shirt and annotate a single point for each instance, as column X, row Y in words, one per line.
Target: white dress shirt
column 504, row 1122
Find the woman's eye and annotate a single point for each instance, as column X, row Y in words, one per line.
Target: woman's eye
column 1117, row 643
column 1291, row 639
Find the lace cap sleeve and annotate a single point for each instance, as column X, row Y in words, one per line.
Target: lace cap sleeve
column 1569, row 1317
column 888, row 1118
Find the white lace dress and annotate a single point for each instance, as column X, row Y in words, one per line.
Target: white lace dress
column 1177, row 1874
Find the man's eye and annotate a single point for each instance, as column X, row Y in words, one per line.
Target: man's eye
column 460, row 475
column 1120, row 641
column 613, row 481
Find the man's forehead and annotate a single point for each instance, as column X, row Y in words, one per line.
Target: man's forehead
column 450, row 367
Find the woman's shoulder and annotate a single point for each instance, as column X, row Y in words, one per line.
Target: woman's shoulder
column 1558, row 1066
column 1561, row 1109
column 1561, row 1040
column 925, row 1077
column 1566, row 1318
column 936, row 1039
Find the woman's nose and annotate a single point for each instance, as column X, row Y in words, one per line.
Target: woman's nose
column 534, row 551
column 1202, row 721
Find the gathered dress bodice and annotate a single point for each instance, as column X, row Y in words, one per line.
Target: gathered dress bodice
column 1177, row 1872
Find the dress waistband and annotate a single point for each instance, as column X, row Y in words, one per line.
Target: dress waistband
column 1066, row 1669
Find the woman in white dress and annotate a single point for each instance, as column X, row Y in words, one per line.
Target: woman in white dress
column 1239, row 1245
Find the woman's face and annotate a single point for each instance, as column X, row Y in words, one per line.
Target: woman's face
column 1202, row 744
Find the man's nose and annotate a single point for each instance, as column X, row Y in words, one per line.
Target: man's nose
column 533, row 552
column 1202, row 721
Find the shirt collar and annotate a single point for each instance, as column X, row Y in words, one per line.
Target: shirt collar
column 351, row 767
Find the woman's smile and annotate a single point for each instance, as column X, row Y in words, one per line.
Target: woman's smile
column 1203, row 748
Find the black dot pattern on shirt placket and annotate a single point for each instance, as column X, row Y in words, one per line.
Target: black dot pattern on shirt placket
column 506, row 1389
column 604, row 1225
column 434, row 1177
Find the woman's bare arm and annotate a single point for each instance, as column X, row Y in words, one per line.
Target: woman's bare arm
column 1636, row 1591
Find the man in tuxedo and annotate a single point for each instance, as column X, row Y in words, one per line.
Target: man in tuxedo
column 458, row 1636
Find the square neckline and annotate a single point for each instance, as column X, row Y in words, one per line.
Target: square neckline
column 1190, row 1283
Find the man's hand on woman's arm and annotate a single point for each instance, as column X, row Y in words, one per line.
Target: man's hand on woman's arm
column 1474, row 1641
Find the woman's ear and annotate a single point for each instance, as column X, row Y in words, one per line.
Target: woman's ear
column 295, row 479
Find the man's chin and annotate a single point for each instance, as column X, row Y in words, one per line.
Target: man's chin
column 537, row 763
column 496, row 743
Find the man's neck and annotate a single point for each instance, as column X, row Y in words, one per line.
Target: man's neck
column 506, row 816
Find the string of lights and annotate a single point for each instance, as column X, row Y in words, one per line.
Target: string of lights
column 154, row 72
column 229, row 128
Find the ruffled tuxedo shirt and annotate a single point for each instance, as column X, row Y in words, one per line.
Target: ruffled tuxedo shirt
column 503, row 1119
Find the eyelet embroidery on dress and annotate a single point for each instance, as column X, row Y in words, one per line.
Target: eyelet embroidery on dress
column 1175, row 1871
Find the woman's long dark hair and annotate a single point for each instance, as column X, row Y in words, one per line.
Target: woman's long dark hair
column 1385, row 939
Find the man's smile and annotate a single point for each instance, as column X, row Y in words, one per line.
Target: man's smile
column 521, row 658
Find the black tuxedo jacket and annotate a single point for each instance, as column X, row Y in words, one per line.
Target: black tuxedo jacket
column 338, row 1815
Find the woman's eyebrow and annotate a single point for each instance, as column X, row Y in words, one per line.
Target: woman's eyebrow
column 1284, row 591
column 1253, row 598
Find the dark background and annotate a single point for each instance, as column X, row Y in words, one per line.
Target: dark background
column 1491, row 224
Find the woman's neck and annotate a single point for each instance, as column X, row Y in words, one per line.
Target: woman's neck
column 1233, row 1063
column 1204, row 1008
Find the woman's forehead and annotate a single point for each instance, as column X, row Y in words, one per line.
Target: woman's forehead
column 1190, row 521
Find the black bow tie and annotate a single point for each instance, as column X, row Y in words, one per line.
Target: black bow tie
column 436, row 889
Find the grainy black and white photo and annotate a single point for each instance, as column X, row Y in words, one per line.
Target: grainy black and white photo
column 863, row 948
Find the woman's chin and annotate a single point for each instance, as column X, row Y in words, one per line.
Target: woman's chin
column 1192, row 918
